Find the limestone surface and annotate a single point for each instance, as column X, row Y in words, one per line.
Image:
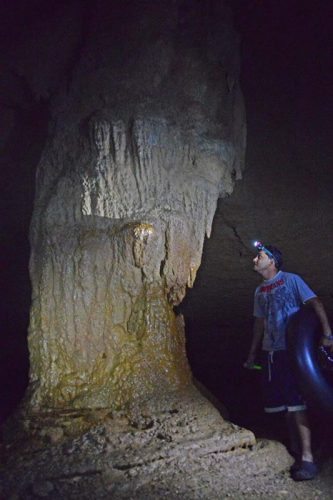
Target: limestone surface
column 175, row 446
column 144, row 137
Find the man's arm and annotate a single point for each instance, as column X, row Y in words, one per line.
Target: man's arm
column 258, row 332
column 321, row 313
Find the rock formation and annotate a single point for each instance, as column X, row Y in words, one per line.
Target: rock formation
column 145, row 135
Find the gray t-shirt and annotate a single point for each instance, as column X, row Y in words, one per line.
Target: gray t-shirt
column 276, row 300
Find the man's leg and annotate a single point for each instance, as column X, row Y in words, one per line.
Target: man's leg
column 294, row 446
column 304, row 468
column 300, row 422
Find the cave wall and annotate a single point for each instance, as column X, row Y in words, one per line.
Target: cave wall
column 284, row 197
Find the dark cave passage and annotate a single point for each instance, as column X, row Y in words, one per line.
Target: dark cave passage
column 20, row 154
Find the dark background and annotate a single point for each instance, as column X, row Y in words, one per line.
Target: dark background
column 285, row 197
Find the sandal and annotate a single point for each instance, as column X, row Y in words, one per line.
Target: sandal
column 305, row 471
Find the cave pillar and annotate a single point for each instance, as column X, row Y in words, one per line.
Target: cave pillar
column 146, row 138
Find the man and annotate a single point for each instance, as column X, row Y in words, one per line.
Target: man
column 279, row 296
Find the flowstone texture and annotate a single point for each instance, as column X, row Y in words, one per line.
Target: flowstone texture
column 146, row 135
column 174, row 447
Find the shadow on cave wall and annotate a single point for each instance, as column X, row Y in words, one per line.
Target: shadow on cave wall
column 19, row 158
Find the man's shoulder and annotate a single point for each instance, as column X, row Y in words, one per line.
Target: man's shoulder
column 291, row 276
column 295, row 281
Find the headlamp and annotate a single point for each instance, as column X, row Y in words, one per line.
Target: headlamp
column 261, row 247
column 258, row 245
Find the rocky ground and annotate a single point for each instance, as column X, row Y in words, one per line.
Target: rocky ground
column 180, row 448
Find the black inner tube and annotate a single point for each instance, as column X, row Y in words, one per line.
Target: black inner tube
column 304, row 331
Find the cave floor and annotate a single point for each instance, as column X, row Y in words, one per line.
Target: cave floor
column 177, row 448
column 208, row 482
column 187, row 479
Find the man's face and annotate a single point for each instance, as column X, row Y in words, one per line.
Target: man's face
column 262, row 262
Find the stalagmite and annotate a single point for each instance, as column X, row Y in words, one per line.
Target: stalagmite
column 146, row 136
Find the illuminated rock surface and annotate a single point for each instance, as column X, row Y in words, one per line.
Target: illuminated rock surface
column 177, row 445
column 147, row 134
column 180, row 448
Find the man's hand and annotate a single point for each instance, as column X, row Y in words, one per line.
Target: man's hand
column 326, row 342
column 326, row 339
column 249, row 362
column 258, row 332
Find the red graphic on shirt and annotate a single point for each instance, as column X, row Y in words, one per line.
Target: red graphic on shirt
column 269, row 288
